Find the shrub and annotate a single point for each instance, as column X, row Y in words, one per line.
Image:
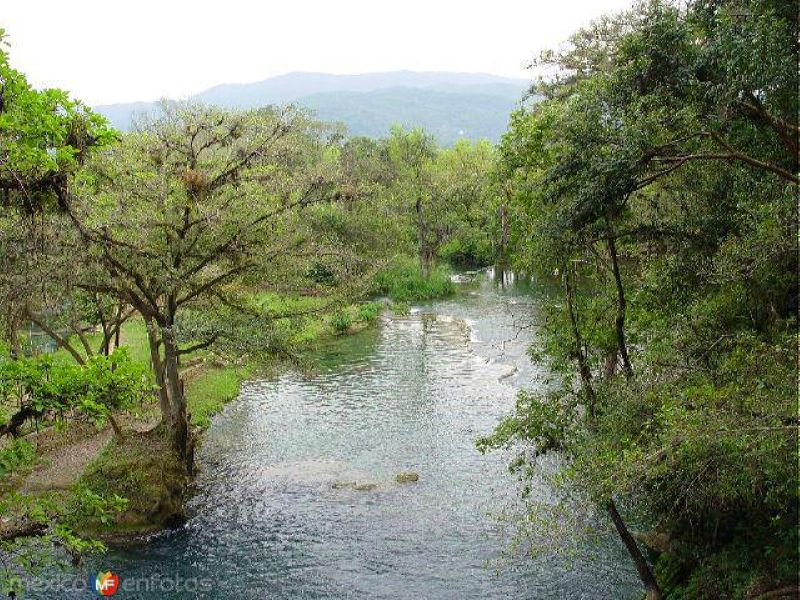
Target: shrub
column 40, row 386
column 17, row 455
column 341, row 321
column 403, row 281
column 369, row 312
column 401, row 308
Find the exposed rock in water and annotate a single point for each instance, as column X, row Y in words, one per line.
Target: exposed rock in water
column 365, row 487
column 359, row 486
column 406, row 477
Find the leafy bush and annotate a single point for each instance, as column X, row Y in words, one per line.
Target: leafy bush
column 39, row 385
column 369, row 312
column 341, row 321
column 401, row 309
column 471, row 251
column 403, row 281
column 16, row 455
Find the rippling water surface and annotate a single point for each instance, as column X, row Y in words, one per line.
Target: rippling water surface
column 411, row 394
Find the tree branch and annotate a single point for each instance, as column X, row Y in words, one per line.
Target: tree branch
column 61, row 341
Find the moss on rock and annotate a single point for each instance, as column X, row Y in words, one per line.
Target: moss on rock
column 144, row 469
column 406, row 477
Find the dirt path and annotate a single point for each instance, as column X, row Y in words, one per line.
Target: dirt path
column 65, row 464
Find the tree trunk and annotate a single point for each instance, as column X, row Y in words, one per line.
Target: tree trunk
column 117, row 335
column 610, row 366
column 180, row 423
column 583, row 367
column 118, row 324
column 422, row 234
column 79, row 332
column 426, row 260
column 158, row 373
column 16, row 421
column 105, row 349
column 500, row 274
column 117, row 429
column 645, row 574
column 505, row 232
column 12, row 322
column 60, row 341
column 627, row 369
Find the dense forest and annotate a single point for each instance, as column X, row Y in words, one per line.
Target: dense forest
column 653, row 183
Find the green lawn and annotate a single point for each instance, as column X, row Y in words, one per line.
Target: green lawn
column 211, row 386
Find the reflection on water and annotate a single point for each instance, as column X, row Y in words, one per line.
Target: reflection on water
column 412, row 394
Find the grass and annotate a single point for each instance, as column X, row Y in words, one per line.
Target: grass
column 403, row 281
column 315, row 320
column 133, row 335
column 206, row 391
column 210, row 390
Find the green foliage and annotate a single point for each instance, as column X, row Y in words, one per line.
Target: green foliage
column 55, row 521
column 89, row 506
column 45, row 136
column 369, row 311
column 403, row 281
column 658, row 182
column 18, row 454
column 754, row 561
column 447, row 197
column 341, row 321
column 401, row 309
column 43, row 386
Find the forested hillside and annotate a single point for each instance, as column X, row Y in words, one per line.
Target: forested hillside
column 452, row 106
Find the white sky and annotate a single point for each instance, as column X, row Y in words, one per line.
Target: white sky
column 115, row 51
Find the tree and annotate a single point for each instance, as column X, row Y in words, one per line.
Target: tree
column 191, row 203
column 412, row 154
column 659, row 181
column 463, row 180
column 44, row 137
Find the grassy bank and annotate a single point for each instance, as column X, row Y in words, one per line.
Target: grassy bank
column 142, row 467
column 404, row 281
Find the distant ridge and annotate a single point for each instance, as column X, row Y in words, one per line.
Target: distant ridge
column 450, row 105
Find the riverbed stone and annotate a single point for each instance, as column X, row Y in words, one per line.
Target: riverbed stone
column 406, row 477
column 365, row 486
column 358, row 486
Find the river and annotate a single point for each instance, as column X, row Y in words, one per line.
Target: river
column 411, row 394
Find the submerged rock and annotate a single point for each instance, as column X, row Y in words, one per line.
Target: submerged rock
column 406, row 477
column 359, row 486
column 365, row 487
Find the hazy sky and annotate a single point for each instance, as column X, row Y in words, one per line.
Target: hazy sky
column 116, row 50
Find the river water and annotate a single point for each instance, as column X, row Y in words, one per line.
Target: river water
column 411, row 394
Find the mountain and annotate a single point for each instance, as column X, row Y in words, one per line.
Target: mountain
column 450, row 105
column 448, row 115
